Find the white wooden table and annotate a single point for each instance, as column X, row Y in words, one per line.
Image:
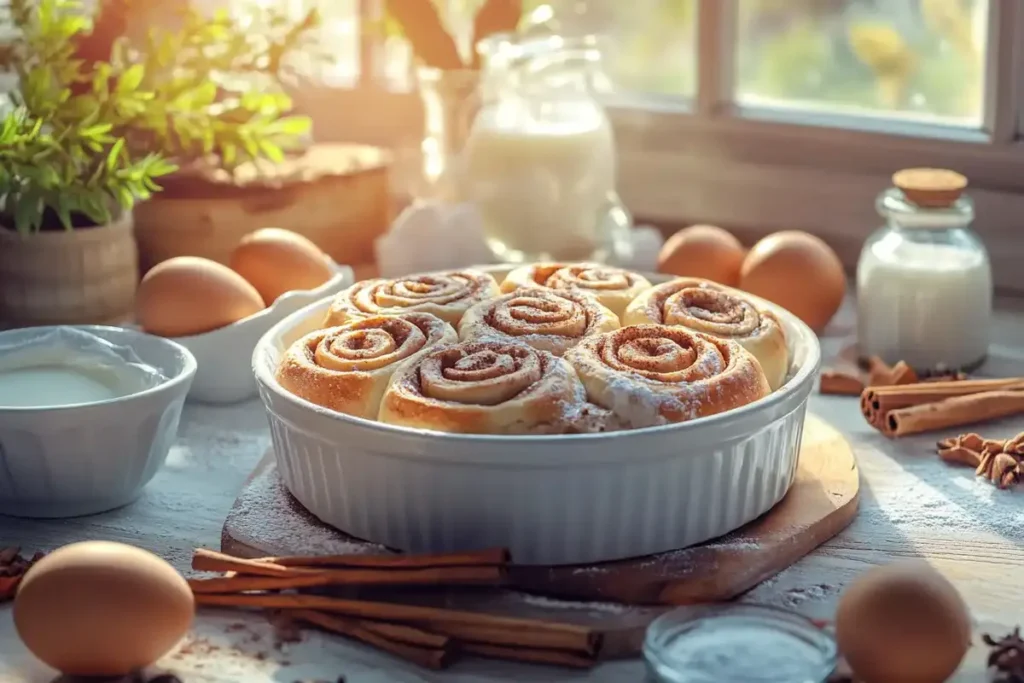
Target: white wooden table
column 912, row 505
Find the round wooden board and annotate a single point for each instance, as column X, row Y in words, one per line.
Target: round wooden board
column 267, row 521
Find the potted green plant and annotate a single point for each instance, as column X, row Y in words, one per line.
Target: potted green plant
column 224, row 116
column 68, row 181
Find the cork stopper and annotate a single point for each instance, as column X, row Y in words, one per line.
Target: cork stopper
column 933, row 188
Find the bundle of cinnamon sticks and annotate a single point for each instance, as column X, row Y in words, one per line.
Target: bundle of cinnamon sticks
column 896, row 402
column 907, row 409
column 427, row 636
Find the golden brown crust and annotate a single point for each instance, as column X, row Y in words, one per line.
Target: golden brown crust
column 547, row 320
column 613, row 287
column 448, row 295
column 484, row 387
column 347, row 368
column 705, row 306
column 657, row 374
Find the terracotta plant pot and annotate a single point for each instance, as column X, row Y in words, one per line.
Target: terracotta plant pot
column 336, row 195
column 86, row 275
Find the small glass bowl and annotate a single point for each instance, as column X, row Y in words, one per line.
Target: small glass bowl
column 737, row 644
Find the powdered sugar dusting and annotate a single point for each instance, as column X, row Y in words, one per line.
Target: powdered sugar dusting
column 267, row 511
column 940, row 497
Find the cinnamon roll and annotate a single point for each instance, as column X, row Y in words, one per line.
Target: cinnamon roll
column 485, row 387
column 545, row 319
column 347, row 368
column 704, row 306
column 613, row 287
column 649, row 375
column 448, row 295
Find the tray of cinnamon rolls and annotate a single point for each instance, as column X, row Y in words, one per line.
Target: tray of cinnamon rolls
column 573, row 413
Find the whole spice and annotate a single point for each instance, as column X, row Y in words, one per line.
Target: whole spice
column 1000, row 461
column 12, row 567
column 1006, row 657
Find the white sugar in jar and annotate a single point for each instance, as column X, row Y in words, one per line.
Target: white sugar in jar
column 924, row 282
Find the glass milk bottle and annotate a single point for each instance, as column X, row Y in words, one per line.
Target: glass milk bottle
column 924, row 283
column 539, row 162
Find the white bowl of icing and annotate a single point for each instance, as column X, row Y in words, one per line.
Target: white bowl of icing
column 82, row 433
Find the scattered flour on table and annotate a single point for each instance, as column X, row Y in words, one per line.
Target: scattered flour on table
column 551, row 603
column 939, row 497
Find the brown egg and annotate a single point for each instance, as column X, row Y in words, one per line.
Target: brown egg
column 902, row 623
column 703, row 251
column 276, row 261
column 799, row 272
column 188, row 295
column 102, row 609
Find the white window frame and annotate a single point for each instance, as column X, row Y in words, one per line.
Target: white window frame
column 758, row 170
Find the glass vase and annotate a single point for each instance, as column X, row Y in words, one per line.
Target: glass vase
column 449, row 105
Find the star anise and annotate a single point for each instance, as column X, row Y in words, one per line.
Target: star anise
column 1006, row 657
column 1005, row 472
column 1015, row 446
column 1001, row 461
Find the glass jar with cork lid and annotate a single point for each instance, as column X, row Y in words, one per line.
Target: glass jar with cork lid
column 924, row 281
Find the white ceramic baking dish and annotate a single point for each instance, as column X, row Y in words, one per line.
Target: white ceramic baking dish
column 549, row 499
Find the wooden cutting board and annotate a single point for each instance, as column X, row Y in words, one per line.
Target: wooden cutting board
column 618, row 598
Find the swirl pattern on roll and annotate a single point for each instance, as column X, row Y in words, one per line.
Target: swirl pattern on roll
column 648, row 375
column 448, row 295
column 484, row 387
column 346, row 368
column 613, row 287
column 704, row 306
column 545, row 319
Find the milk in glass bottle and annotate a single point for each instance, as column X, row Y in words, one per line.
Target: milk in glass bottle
column 924, row 283
column 539, row 161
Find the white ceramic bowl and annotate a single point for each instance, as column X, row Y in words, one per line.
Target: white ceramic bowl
column 83, row 459
column 549, row 499
column 225, row 355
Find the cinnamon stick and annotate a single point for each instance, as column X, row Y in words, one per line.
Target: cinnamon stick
column 953, row 412
column 879, row 372
column 902, row 374
column 486, row 628
column 833, row 382
column 205, row 560
column 428, row 657
column 533, row 656
column 429, row 576
column 478, row 558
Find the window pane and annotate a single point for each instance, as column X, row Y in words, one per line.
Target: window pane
column 340, row 35
column 920, row 59
column 650, row 45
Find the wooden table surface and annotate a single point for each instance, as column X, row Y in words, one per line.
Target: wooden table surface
column 912, row 505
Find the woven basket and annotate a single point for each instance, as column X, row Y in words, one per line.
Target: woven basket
column 336, row 195
column 68, row 277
